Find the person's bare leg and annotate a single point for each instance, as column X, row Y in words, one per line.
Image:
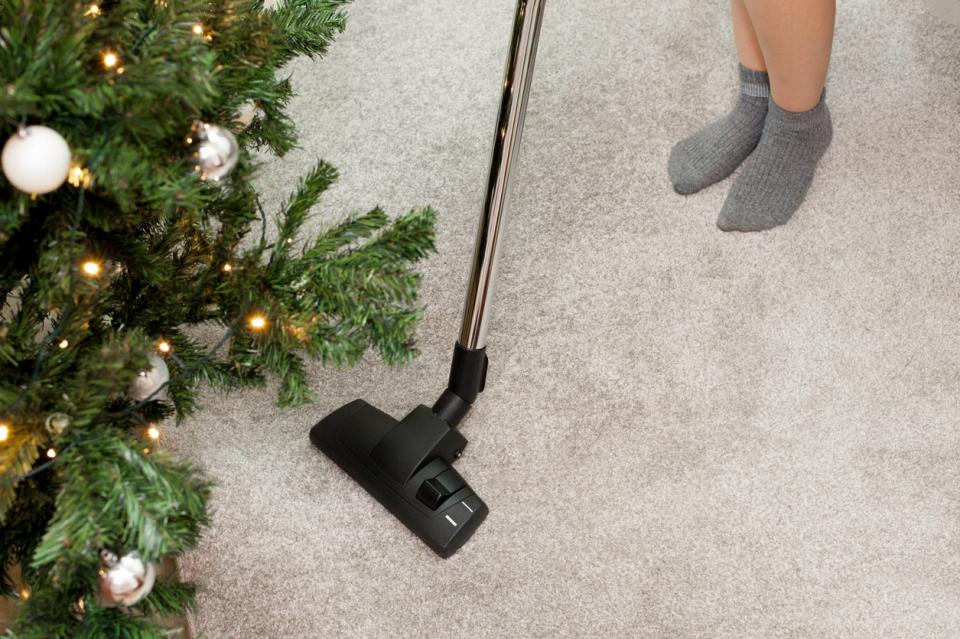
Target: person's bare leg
column 748, row 46
column 715, row 151
column 795, row 37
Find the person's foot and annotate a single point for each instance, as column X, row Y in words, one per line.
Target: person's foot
column 776, row 177
column 715, row 151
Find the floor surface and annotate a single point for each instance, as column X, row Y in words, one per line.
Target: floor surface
column 685, row 433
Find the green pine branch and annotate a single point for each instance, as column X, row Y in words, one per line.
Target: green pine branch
column 177, row 256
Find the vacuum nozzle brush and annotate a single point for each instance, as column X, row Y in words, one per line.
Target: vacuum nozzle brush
column 405, row 465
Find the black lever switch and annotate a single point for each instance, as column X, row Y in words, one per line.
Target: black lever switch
column 432, row 493
column 435, row 490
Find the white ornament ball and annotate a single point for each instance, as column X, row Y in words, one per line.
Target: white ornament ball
column 245, row 114
column 149, row 380
column 125, row 581
column 217, row 152
column 36, row 159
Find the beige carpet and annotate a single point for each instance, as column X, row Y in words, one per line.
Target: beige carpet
column 685, row 433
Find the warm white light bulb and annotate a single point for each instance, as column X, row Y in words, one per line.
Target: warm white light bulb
column 258, row 322
column 4, row 432
column 51, row 453
column 163, row 346
column 110, row 59
column 64, row 343
column 91, row 268
column 153, row 433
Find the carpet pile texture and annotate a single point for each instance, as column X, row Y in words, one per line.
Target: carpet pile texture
column 685, row 433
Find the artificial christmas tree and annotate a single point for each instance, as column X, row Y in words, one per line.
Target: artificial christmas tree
column 128, row 217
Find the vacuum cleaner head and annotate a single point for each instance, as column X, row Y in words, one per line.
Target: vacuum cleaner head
column 406, row 465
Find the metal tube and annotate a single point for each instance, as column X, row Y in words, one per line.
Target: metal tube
column 506, row 145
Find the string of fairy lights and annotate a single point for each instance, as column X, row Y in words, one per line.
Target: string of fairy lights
column 124, row 579
column 82, row 177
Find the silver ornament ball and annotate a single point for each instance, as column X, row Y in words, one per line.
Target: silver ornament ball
column 217, row 151
column 125, row 581
column 56, row 423
column 149, row 380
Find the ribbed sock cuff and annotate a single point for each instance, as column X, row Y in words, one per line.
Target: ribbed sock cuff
column 754, row 83
column 815, row 118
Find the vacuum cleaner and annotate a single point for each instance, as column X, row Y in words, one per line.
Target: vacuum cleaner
column 407, row 465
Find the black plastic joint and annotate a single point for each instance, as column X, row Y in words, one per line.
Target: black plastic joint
column 451, row 408
column 468, row 372
column 468, row 375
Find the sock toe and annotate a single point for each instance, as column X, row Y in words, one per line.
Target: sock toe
column 725, row 222
column 747, row 221
column 680, row 171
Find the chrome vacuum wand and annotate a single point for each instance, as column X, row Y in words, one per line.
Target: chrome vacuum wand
column 407, row 464
column 468, row 371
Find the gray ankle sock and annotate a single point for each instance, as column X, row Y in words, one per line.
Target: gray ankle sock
column 715, row 151
column 776, row 177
